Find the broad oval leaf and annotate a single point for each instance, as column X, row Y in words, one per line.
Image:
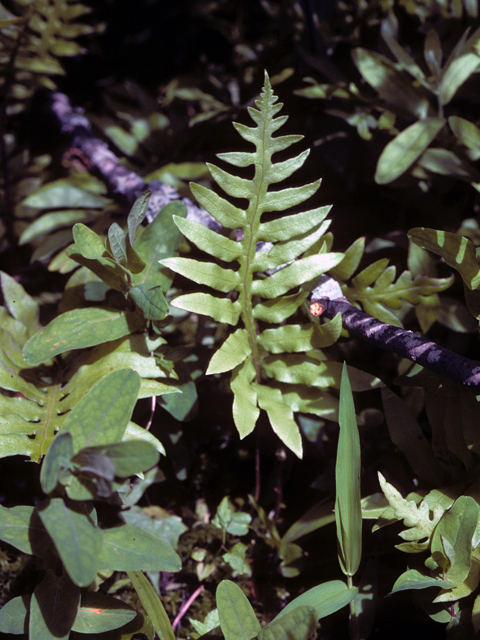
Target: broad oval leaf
column 99, row 613
column 401, row 152
column 150, row 299
column 56, row 461
column 128, row 548
column 102, row 415
column 53, row 607
column 88, row 242
column 78, row 329
column 237, row 617
column 326, row 598
column 13, row 615
column 394, row 87
column 299, row 623
column 455, row 74
column 466, row 132
column 77, row 540
column 413, row 579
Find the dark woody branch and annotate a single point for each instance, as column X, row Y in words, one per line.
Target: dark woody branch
column 401, row 342
column 96, row 156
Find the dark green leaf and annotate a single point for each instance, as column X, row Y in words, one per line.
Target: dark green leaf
column 13, row 615
column 152, row 605
column 150, row 299
column 99, row 613
column 79, row 329
column 129, row 458
column 237, row 617
column 137, row 214
column 299, row 623
column 348, row 510
column 326, row 598
column 57, row 461
column 53, row 608
column 102, row 415
column 77, row 540
column 128, row 548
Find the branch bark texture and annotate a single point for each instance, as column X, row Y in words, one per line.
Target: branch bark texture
column 404, row 343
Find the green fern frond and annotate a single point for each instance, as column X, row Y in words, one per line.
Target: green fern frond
column 376, row 289
column 300, row 253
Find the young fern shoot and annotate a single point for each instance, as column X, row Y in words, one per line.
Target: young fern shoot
column 260, row 359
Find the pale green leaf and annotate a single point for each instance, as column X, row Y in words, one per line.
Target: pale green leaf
column 208, row 240
column 278, row 310
column 99, row 613
column 65, row 193
column 466, row 132
column 413, row 579
column 53, row 221
column 77, row 540
column 287, row 198
column 348, row 511
column 295, row 338
column 295, row 274
column 281, row 417
column 88, row 242
column 299, row 623
column 287, row 227
column 150, row 299
column 446, row 163
column 455, row 74
column 245, row 409
column 21, row 527
column 326, row 598
column 207, row 273
column 401, row 152
column 456, row 527
column 79, row 329
column 220, row 309
column 391, row 84
column 237, row 617
column 117, row 240
column 19, row 304
column 160, row 239
column 102, row 415
column 232, row 353
column 57, row 461
column 13, row 615
column 128, row 548
column 232, row 185
column 350, row 262
column 225, row 213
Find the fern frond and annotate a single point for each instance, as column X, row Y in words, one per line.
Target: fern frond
column 298, row 251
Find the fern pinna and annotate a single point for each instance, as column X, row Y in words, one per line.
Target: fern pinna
column 264, row 362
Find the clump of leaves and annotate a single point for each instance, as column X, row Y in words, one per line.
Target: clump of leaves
column 38, row 393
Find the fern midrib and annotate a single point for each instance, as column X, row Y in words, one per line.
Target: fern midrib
column 253, row 209
column 49, row 420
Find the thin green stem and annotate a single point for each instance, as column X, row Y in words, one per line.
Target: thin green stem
column 353, row 616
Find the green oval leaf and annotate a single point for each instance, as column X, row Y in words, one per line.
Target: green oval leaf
column 128, row 548
column 401, row 152
column 88, row 242
column 232, row 353
column 99, row 613
column 150, row 299
column 78, row 329
column 237, row 617
column 102, row 415
column 77, row 540
column 326, row 598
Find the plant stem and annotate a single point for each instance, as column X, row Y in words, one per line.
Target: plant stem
column 353, row 615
